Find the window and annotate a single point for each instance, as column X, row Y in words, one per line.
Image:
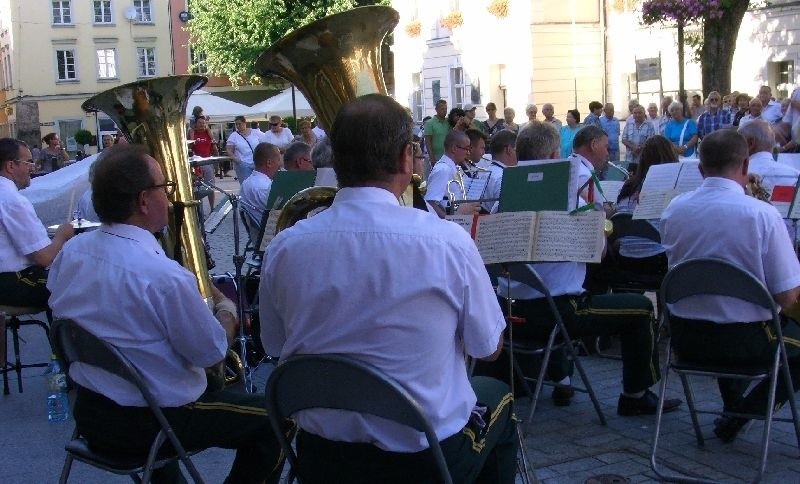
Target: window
column 143, row 12
column 65, row 64
column 146, row 66
column 7, row 72
column 102, row 11
column 780, row 77
column 457, row 87
column 416, row 96
column 106, row 63
column 197, row 61
column 62, row 12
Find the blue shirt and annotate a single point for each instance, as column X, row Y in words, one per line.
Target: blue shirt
column 672, row 131
column 567, row 135
column 611, row 127
column 707, row 123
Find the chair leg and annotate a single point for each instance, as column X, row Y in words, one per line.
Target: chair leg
column 524, row 467
column 15, row 344
column 787, row 381
column 770, row 410
column 540, row 379
column 659, row 415
column 687, row 390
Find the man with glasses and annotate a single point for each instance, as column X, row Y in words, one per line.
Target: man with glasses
column 297, row 157
column 714, row 117
column 25, row 248
column 117, row 283
column 443, row 179
column 277, row 134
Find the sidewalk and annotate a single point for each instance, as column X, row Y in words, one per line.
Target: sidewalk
column 565, row 444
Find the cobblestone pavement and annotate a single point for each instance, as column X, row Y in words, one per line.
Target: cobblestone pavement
column 565, row 444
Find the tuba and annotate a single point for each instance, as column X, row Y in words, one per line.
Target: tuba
column 152, row 113
column 331, row 61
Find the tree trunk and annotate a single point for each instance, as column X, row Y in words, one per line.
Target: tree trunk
column 719, row 44
column 681, row 87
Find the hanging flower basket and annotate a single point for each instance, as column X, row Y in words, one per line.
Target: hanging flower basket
column 498, row 8
column 413, row 29
column 452, row 20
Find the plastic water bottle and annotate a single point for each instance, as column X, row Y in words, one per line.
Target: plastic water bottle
column 57, row 401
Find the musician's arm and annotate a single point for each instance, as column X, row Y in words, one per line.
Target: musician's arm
column 497, row 352
column 786, row 299
column 225, row 312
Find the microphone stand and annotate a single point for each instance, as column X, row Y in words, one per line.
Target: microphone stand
column 238, row 263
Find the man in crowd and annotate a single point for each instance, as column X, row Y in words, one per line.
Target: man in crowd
column 255, row 189
column 373, row 159
column 297, row 157
column 754, row 112
column 764, row 249
column 628, row 315
column 666, row 117
column 593, row 118
column 635, row 134
column 771, row 109
column 277, row 134
column 25, row 249
column 547, row 112
column 696, row 107
column 150, row 309
column 610, row 125
column 714, row 117
column 435, row 130
column 469, row 112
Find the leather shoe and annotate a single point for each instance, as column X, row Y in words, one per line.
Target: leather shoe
column 562, row 396
column 645, row 405
column 727, row 428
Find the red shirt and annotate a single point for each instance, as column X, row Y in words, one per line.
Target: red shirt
column 202, row 143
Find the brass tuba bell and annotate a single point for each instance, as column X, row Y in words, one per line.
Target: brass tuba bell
column 152, row 113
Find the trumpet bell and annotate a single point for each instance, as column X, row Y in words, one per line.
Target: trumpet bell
column 333, row 60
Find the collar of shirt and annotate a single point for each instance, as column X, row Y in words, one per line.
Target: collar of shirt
column 762, row 156
column 583, row 161
column 498, row 164
column 448, row 161
column 7, row 184
column 365, row 194
column 724, row 183
column 133, row 232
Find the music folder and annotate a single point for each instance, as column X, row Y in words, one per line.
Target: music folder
column 538, row 185
column 286, row 184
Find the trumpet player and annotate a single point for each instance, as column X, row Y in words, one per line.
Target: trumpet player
column 117, row 283
column 447, row 176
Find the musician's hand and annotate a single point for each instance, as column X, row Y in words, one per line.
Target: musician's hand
column 64, row 232
column 471, row 208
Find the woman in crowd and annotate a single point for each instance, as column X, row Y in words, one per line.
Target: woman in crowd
column 240, row 147
column 742, row 108
column 509, row 115
column 680, row 131
column 204, row 145
column 568, row 131
column 639, row 254
column 53, row 155
column 493, row 124
column 306, row 135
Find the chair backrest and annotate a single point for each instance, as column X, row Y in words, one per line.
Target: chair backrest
column 340, row 382
column 626, row 226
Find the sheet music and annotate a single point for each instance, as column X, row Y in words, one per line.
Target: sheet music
column 269, row 229
column 611, row 189
column 689, row 177
column 652, row 204
column 564, row 237
column 505, row 237
column 661, row 177
column 476, row 186
column 466, row 222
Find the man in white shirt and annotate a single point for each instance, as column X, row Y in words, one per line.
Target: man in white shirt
column 771, row 111
column 590, row 149
column 25, row 248
column 297, row 157
column 117, row 284
column 755, row 107
column 255, row 189
column 504, row 155
column 374, row 306
column 760, row 140
column 442, row 178
column 277, row 134
column 718, row 220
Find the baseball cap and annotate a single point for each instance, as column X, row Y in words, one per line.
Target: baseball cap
column 469, row 107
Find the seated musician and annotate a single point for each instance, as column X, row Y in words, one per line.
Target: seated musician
column 718, row 220
column 640, row 254
column 366, row 300
column 255, row 189
column 442, row 178
column 149, row 307
column 504, row 154
column 630, row 316
column 25, row 248
column 760, row 140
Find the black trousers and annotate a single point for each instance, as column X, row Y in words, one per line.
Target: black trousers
column 27, row 287
column 217, row 419
column 487, row 455
column 703, row 341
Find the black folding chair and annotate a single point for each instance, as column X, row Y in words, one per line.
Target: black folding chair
column 74, row 344
column 340, row 382
column 15, row 318
column 706, row 276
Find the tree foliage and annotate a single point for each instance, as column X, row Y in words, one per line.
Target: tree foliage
column 233, row 33
column 720, row 21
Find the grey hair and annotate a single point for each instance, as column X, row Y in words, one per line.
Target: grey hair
column 537, row 141
column 321, row 154
column 760, row 132
column 673, row 105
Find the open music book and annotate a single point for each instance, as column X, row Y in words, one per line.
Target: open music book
column 662, row 184
column 545, row 236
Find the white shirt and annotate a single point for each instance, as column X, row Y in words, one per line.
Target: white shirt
column 367, row 299
column 319, row 132
column 439, row 181
column 792, row 115
column 255, row 193
column 719, row 220
column 771, row 113
column 245, row 145
column 747, row 118
column 117, row 283
column 494, row 185
column 281, row 140
column 772, row 173
column 21, row 231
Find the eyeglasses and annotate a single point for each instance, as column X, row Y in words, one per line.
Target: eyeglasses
column 168, row 186
column 29, row 163
column 274, row 124
column 465, row 148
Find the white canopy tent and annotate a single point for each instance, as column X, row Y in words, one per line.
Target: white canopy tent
column 218, row 109
column 281, row 104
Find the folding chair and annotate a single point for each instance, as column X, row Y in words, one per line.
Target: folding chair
column 13, row 323
column 74, row 344
column 622, row 280
column 558, row 338
column 706, row 276
column 340, row 382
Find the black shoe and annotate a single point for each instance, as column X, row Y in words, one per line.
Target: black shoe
column 562, row 395
column 645, row 405
column 726, row 428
